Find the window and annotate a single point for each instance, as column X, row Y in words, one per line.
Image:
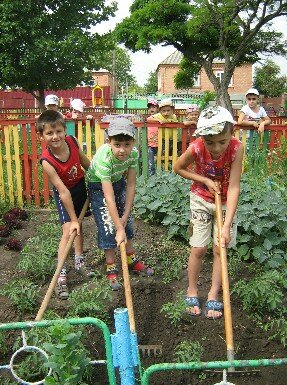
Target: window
column 197, row 81
column 219, row 75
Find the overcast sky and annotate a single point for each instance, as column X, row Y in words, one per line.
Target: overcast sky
column 144, row 63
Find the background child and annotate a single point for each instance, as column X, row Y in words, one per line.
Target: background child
column 52, row 102
column 63, row 160
column 112, row 180
column 191, row 118
column 152, row 136
column 252, row 114
column 77, row 106
column 215, row 156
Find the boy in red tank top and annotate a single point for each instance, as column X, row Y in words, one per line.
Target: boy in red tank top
column 63, row 161
column 214, row 156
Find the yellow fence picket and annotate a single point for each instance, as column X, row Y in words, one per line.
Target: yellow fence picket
column 9, row 165
column 80, row 133
column 2, row 187
column 15, row 132
column 89, row 139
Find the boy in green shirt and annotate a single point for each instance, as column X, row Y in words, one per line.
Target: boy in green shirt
column 112, row 181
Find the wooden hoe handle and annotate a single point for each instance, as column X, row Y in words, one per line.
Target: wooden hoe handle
column 128, row 293
column 225, row 282
column 54, row 280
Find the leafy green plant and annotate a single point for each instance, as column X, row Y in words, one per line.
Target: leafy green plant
column 68, row 357
column 278, row 329
column 22, row 293
column 164, row 198
column 263, row 293
column 36, row 259
column 174, row 310
column 3, row 345
column 91, row 299
column 188, row 351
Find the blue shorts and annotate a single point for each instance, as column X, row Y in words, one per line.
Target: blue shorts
column 105, row 225
column 79, row 196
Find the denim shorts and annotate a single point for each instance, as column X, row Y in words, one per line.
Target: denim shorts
column 105, row 225
column 79, row 196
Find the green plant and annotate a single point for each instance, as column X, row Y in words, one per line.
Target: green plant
column 187, row 351
column 68, row 357
column 3, row 345
column 278, row 329
column 36, row 259
column 22, row 293
column 164, row 198
column 174, row 310
column 91, row 299
column 263, row 293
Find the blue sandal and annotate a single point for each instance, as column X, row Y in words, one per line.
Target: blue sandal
column 190, row 303
column 215, row 306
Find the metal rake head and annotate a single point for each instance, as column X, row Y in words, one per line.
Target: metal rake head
column 224, row 381
column 150, row 350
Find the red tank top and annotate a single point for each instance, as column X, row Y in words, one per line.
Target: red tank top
column 70, row 172
column 213, row 169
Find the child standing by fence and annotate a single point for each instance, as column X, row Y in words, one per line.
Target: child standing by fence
column 252, row 114
column 215, row 156
column 152, row 136
column 112, row 180
column 191, row 118
column 63, row 160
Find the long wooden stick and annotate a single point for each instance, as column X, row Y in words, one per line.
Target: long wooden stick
column 127, row 284
column 225, row 282
column 54, row 280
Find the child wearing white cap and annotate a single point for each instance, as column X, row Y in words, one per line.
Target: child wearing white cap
column 77, row 106
column 252, row 114
column 215, row 156
column 52, row 102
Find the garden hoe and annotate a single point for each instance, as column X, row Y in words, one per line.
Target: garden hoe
column 54, row 280
column 226, row 296
column 147, row 350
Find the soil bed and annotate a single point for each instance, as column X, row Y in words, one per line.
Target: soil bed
column 149, row 295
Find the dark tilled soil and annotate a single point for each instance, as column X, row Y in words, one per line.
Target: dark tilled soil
column 149, row 295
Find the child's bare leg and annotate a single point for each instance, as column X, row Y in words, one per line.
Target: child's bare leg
column 216, row 281
column 110, row 255
column 194, row 267
column 78, row 243
column 64, row 240
column 111, row 268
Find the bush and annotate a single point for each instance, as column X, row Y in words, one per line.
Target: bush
column 164, row 198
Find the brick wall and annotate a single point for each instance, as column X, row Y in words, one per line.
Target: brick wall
column 241, row 81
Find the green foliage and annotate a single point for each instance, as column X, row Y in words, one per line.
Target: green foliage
column 187, row 351
column 59, row 40
column 268, row 80
column 164, row 198
column 3, row 345
column 262, row 218
column 36, row 257
column 263, row 293
column 68, row 357
column 185, row 77
column 174, row 310
column 150, row 86
column 22, row 293
column 91, row 300
column 234, row 33
column 278, row 329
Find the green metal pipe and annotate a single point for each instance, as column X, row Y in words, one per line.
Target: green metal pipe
column 210, row 365
column 73, row 321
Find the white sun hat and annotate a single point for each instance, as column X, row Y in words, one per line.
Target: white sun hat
column 252, row 91
column 212, row 121
column 78, row 104
column 51, row 99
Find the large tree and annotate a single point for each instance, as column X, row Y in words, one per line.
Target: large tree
column 269, row 81
column 236, row 31
column 49, row 44
column 151, row 83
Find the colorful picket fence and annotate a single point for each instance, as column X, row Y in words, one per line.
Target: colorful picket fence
column 22, row 180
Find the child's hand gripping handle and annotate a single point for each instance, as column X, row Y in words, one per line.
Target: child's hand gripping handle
column 54, row 280
column 225, row 281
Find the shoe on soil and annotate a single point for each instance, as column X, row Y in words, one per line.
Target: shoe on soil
column 112, row 275
column 190, row 303
column 84, row 271
column 61, row 290
column 138, row 267
column 215, row 306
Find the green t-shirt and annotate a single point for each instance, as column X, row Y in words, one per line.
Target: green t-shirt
column 106, row 167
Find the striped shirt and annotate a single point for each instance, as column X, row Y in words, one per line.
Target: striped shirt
column 106, row 167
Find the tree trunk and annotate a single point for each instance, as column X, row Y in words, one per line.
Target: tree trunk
column 223, row 98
